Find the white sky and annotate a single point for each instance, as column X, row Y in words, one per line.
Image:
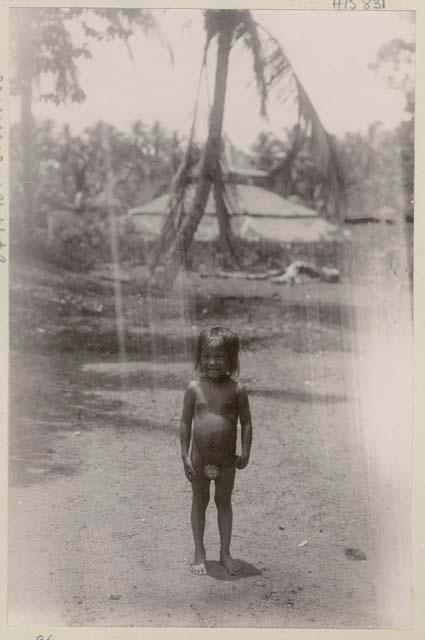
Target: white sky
column 329, row 51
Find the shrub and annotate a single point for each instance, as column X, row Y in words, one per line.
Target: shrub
column 80, row 243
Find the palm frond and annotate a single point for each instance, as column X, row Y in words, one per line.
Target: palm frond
column 247, row 31
column 280, row 73
column 323, row 146
column 121, row 23
column 175, row 213
column 313, row 129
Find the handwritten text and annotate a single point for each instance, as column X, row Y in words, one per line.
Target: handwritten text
column 364, row 5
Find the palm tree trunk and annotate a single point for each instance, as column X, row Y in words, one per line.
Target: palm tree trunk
column 230, row 258
column 209, row 161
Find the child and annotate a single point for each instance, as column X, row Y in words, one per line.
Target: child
column 214, row 402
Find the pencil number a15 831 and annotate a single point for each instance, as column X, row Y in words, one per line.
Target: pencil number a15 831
column 364, row 5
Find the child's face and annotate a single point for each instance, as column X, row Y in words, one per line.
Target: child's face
column 214, row 362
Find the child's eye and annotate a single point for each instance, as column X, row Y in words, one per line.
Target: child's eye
column 215, row 356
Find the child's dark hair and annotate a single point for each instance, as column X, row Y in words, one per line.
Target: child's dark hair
column 219, row 336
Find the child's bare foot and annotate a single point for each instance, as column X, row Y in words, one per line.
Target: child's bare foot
column 229, row 564
column 198, row 569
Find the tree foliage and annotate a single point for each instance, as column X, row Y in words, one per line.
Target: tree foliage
column 43, row 44
column 71, row 171
column 396, row 64
column 374, row 166
column 43, row 47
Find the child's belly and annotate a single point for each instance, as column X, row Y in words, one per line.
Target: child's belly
column 215, row 438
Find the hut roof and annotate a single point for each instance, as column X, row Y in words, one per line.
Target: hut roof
column 243, row 200
column 256, row 213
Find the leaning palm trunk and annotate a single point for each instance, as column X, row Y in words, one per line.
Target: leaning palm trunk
column 226, row 237
column 176, row 203
column 174, row 256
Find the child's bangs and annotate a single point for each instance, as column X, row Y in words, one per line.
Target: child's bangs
column 215, row 341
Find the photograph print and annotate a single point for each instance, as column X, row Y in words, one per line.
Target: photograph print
column 211, row 294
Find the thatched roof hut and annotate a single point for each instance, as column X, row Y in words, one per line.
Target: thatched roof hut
column 256, row 213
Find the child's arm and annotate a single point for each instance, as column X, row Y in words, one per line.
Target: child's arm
column 246, row 428
column 185, row 430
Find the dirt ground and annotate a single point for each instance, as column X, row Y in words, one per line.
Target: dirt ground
column 99, row 530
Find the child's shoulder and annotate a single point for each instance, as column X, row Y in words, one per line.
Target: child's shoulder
column 193, row 386
column 240, row 387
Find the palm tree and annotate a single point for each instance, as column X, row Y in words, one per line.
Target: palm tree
column 42, row 43
column 271, row 68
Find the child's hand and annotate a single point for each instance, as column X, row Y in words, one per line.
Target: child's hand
column 188, row 468
column 241, row 462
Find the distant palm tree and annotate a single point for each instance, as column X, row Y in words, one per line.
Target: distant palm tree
column 42, row 43
column 271, row 67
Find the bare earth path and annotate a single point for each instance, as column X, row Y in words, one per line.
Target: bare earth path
column 99, row 529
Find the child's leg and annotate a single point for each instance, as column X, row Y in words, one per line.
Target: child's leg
column 200, row 499
column 223, row 499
